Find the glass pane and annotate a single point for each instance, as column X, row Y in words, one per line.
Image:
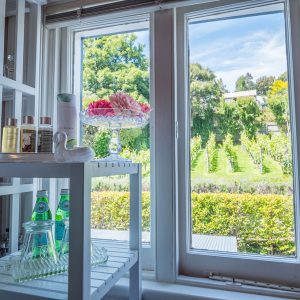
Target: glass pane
column 240, row 141
column 114, row 63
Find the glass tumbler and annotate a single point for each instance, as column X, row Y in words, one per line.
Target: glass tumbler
column 98, row 254
column 38, row 255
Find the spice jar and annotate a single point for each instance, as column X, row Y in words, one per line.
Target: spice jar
column 27, row 135
column 10, row 136
column 45, row 135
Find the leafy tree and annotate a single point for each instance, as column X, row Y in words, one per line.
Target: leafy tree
column 110, row 64
column 263, row 84
column 283, row 77
column 245, row 83
column 205, row 94
column 278, row 103
column 115, row 62
column 229, row 119
column 249, row 115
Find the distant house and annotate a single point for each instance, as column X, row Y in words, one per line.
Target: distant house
column 228, row 97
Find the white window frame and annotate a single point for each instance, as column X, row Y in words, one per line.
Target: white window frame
column 114, row 27
column 200, row 263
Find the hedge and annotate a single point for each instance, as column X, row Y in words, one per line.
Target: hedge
column 261, row 223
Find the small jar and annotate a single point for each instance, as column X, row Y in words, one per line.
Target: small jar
column 45, row 135
column 10, row 136
column 27, row 135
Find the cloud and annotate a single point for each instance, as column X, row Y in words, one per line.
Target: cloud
column 232, row 51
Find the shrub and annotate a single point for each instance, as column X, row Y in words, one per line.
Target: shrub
column 230, row 153
column 280, row 150
column 212, row 153
column 195, row 149
column 261, row 223
column 110, row 210
column 254, row 151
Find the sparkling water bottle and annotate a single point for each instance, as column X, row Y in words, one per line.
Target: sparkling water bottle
column 41, row 212
column 62, row 214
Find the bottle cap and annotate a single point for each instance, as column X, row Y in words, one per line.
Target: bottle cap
column 42, row 193
column 64, row 191
column 45, row 120
column 12, row 122
column 27, row 120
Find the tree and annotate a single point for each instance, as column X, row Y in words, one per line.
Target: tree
column 229, row 119
column 249, row 113
column 279, row 104
column 110, row 64
column 283, row 77
column 245, row 83
column 115, row 63
column 205, row 94
column 263, row 84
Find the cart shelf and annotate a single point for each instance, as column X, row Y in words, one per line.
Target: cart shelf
column 81, row 282
column 103, row 277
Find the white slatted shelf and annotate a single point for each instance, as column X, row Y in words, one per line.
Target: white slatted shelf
column 103, row 277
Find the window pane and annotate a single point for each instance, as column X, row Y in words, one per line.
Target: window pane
column 114, row 63
column 240, row 140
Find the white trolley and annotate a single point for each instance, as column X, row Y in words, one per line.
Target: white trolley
column 82, row 282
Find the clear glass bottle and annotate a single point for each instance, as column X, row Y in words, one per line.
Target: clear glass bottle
column 45, row 135
column 62, row 214
column 10, row 136
column 27, row 135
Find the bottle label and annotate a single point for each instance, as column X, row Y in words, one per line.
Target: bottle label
column 65, row 205
column 28, row 140
column 40, row 239
column 59, row 230
column 41, row 207
column 45, row 140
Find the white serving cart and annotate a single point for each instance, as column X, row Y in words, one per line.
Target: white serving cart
column 82, row 282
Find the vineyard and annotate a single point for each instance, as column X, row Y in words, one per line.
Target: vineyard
column 264, row 160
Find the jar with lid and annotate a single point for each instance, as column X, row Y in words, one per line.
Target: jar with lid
column 10, row 136
column 27, row 134
column 45, row 135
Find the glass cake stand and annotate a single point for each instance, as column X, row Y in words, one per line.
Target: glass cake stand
column 115, row 120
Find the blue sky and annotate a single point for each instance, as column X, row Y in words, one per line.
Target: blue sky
column 233, row 47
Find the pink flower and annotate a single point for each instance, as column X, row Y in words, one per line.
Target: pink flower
column 146, row 108
column 100, row 108
column 121, row 101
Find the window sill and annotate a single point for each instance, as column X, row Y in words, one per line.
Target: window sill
column 186, row 289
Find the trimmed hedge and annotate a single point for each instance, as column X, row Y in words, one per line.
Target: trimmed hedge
column 261, row 223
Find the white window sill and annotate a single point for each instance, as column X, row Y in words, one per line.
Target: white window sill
column 154, row 290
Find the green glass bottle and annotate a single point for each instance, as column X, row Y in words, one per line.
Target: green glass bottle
column 62, row 214
column 41, row 212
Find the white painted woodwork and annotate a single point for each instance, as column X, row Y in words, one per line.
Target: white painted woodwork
column 83, row 282
column 103, row 277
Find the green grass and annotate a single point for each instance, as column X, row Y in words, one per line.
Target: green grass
column 248, row 171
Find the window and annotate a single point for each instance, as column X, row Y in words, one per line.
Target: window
column 238, row 196
column 225, row 148
column 116, row 59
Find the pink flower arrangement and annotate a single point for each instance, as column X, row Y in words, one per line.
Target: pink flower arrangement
column 106, row 110
column 123, row 102
column 119, row 103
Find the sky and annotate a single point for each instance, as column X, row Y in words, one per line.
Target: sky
column 234, row 47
